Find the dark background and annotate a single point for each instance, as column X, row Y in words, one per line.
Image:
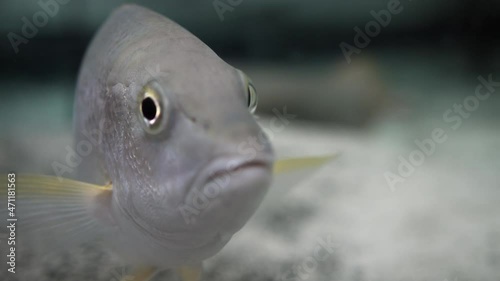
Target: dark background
column 278, row 31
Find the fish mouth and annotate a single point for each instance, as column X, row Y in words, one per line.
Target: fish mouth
column 225, row 174
column 234, row 166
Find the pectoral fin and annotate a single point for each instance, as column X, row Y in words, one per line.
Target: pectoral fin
column 290, row 172
column 56, row 212
column 295, row 164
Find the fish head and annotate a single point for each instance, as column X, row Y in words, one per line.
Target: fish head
column 189, row 161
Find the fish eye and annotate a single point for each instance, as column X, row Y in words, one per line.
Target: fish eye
column 251, row 94
column 252, row 99
column 151, row 109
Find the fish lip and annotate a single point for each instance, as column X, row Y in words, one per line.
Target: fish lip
column 235, row 165
column 228, row 165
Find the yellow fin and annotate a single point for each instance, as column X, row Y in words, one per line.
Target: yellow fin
column 190, row 273
column 289, row 173
column 292, row 164
column 57, row 213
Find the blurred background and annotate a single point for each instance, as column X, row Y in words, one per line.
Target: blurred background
column 358, row 82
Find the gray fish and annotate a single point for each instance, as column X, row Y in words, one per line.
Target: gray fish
column 173, row 162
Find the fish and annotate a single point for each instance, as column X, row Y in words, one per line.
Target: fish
column 172, row 162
